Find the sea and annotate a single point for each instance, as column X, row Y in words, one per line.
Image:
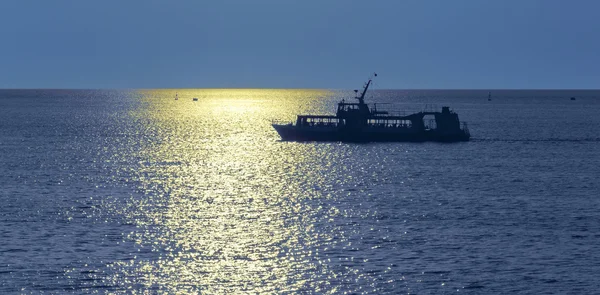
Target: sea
column 134, row 192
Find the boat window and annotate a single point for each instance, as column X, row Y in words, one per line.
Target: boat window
column 389, row 123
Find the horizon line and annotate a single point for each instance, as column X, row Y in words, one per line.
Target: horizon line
column 306, row 88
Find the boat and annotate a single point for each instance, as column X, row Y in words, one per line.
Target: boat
column 195, row 99
column 573, row 98
column 176, row 96
column 358, row 122
column 490, row 96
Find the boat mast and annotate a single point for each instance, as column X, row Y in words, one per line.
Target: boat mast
column 361, row 99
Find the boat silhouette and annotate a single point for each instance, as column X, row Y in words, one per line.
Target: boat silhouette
column 357, row 122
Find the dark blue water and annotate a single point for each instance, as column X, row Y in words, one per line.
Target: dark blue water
column 132, row 191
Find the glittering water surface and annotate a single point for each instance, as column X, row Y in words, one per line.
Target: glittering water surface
column 135, row 192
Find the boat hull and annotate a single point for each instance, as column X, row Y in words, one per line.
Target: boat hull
column 293, row 133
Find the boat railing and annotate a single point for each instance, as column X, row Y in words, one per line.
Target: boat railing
column 397, row 113
column 386, row 111
column 430, row 108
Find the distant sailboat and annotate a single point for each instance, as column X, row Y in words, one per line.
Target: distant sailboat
column 176, row 96
column 489, row 96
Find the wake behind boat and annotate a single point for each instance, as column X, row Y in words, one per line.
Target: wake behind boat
column 357, row 122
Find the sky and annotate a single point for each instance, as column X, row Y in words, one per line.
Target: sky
column 335, row 44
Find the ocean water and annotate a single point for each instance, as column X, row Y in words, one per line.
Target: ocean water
column 129, row 192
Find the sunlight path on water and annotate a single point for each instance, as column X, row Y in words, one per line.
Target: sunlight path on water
column 226, row 206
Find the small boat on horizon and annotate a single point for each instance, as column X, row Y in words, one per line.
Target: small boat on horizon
column 357, row 122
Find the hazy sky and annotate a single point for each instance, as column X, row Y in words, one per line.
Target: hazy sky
column 300, row 44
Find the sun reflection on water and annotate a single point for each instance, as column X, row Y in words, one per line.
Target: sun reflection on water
column 225, row 206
